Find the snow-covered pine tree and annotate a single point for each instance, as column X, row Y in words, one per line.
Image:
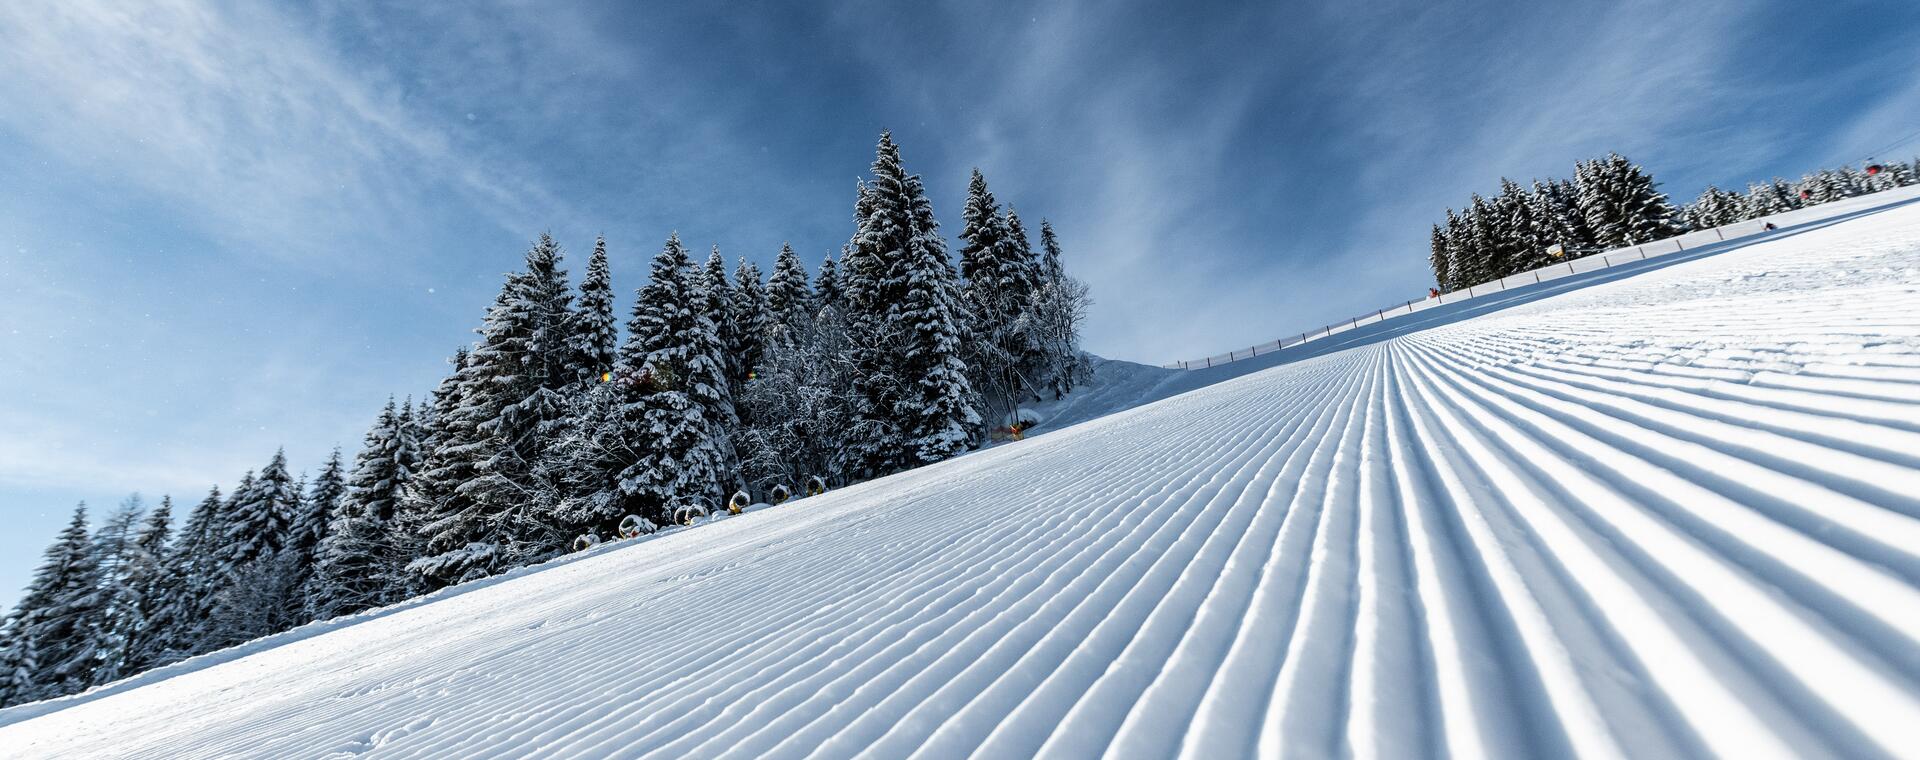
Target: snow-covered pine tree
column 1437, row 258
column 260, row 514
column 939, row 413
column 139, row 611
column 511, row 412
column 790, row 299
column 313, row 523
column 1819, row 187
column 17, row 663
column 446, row 446
column 671, row 410
column 1060, row 306
column 1461, row 263
column 259, row 595
column 113, row 548
column 722, row 307
column 594, row 337
column 719, row 300
column 996, row 295
column 1552, row 220
column 198, row 574
column 1033, row 360
column 1769, row 198
column 1483, row 230
column 1522, row 248
column 61, row 604
column 826, row 287
column 753, row 319
column 357, row 566
column 1623, row 204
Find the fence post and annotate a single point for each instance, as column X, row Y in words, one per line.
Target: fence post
column 1209, row 361
column 1679, row 246
column 1641, row 251
column 1570, row 267
column 1536, row 276
column 1717, row 233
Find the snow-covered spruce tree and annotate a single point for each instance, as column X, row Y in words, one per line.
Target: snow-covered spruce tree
column 997, row 297
column 313, row 523
column 357, row 565
column 1484, row 252
column 139, row 612
column 673, row 406
column 1437, row 258
column 594, row 338
column 1459, row 253
column 939, row 414
column 260, row 595
column 753, row 319
column 61, row 604
column 113, row 545
column 260, row 514
column 511, row 412
column 17, row 663
column 197, row 571
column 1768, row 198
column 826, row 287
column 722, row 308
column 790, row 299
column 1623, row 204
column 1552, row 220
column 445, row 461
column 1033, row 362
column 1060, row 305
column 1524, row 248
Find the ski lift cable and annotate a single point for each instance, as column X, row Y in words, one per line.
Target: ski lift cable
column 1890, row 146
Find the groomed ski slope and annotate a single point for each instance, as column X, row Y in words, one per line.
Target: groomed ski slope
column 1670, row 513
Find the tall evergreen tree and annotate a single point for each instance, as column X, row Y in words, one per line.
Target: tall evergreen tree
column 445, row 461
column 722, row 308
column 1438, row 259
column 594, row 338
column 511, row 412
column 1060, row 305
column 673, row 391
column 18, row 664
column 61, row 606
column 314, row 522
column 260, row 514
column 357, row 565
column 198, row 574
column 826, row 287
column 140, row 613
column 1623, row 204
column 790, row 299
column 915, row 404
column 753, row 320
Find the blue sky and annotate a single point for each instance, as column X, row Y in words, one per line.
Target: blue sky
column 230, row 227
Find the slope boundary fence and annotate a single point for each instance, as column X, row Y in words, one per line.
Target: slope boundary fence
column 1561, row 269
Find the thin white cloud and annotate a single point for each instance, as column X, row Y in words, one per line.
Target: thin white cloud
column 240, row 119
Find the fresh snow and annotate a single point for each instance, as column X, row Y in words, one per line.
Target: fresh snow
column 1671, row 508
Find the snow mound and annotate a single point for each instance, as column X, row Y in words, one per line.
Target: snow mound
column 1671, row 510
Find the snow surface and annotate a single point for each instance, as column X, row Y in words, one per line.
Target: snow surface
column 1666, row 509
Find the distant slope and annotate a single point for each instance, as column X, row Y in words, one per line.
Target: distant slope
column 1673, row 510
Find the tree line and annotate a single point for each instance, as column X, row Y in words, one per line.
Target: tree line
column 552, row 425
column 1613, row 203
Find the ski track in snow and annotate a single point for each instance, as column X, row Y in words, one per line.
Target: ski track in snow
column 1670, row 514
